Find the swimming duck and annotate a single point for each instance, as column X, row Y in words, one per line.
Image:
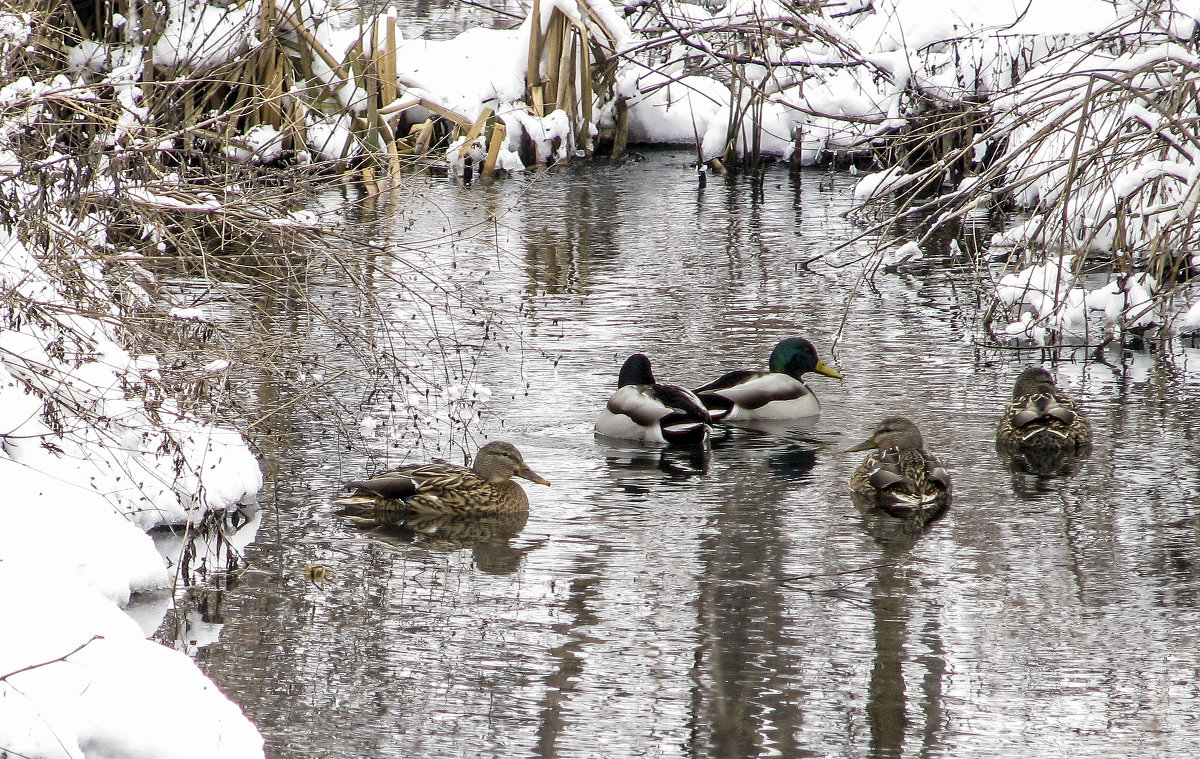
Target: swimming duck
column 1042, row 418
column 647, row 411
column 440, row 488
column 899, row 475
column 778, row 393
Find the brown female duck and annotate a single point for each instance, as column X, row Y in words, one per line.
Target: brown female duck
column 485, row 488
column 899, row 475
column 1041, row 418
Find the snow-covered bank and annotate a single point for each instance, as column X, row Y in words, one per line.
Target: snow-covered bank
column 81, row 681
column 91, row 458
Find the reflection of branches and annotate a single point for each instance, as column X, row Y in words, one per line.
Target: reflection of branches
column 48, row 662
column 857, row 570
column 838, row 588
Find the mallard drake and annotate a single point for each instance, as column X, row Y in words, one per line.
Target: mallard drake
column 778, row 393
column 650, row 412
column 899, row 475
column 1041, row 418
column 485, row 488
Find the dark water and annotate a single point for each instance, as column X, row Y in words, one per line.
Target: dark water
column 652, row 607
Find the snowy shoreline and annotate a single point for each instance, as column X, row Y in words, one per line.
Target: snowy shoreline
column 78, row 676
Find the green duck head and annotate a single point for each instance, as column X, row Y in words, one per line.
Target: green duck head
column 795, row 356
column 892, row 432
column 499, row 462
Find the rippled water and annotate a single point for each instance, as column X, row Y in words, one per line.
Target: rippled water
column 660, row 604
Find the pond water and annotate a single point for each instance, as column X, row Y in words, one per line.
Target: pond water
column 667, row 604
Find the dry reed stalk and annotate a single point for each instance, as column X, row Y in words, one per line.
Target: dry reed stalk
column 371, row 84
column 454, row 117
column 533, row 76
column 272, row 71
column 499, row 132
column 388, row 70
column 551, row 57
column 477, row 128
column 621, row 134
column 566, row 58
column 395, row 167
column 582, row 136
column 424, row 137
column 189, row 120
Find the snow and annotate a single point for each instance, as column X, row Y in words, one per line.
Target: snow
column 15, row 28
column 262, row 143
column 203, row 36
column 1191, row 320
column 92, row 686
column 148, row 197
column 83, row 485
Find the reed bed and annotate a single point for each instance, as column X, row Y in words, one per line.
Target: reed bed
column 283, row 78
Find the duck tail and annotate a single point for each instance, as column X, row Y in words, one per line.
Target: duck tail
column 355, row 504
column 682, row 430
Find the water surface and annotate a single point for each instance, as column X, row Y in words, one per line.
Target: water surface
column 665, row 604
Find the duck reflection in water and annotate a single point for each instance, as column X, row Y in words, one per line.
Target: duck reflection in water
column 679, row 461
column 1036, row 473
column 489, row 538
column 789, row 445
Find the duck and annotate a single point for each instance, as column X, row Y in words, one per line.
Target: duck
column 1041, row 418
column 778, row 393
column 486, row 488
column 899, row 475
column 647, row 411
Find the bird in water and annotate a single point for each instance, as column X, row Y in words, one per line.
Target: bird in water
column 485, row 488
column 778, row 393
column 899, row 475
column 651, row 412
column 1040, row 418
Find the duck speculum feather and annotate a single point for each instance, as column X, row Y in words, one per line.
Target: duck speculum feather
column 899, row 476
column 485, row 488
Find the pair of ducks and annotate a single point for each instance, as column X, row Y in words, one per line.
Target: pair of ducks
column 908, row 482
column 652, row 412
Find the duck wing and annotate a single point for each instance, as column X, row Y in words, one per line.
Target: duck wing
column 394, row 487
column 649, row 404
column 1045, row 409
column 748, row 392
column 1044, row 420
column 394, row 495
column 727, row 381
column 756, row 390
column 638, row 402
column 907, row 474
